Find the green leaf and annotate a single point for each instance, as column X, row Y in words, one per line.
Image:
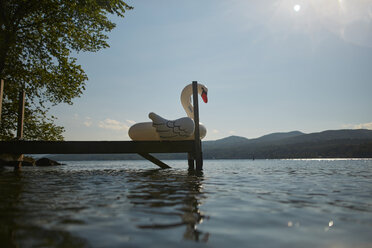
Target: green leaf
column 37, row 38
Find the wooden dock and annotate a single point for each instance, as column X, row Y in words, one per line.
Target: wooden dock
column 144, row 148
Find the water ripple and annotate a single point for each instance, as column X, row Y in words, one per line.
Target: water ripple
column 263, row 203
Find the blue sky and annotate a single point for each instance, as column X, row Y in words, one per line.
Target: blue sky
column 270, row 66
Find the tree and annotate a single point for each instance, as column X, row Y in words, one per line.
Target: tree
column 37, row 39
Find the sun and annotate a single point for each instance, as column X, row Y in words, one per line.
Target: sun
column 297, row 7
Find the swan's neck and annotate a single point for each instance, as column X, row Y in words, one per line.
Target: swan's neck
column 186, row 101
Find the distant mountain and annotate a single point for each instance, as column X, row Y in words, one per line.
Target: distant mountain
column 327, row 144
column 278, row 136
column 331, row 143
column 345, row 134
column 231, row 140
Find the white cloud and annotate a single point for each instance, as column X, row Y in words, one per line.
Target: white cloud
column 87, row 123
column 350, row 20
column 359, row 126
column 215, row 131
column 131, row 122
column 112, row 125
column 363, row 126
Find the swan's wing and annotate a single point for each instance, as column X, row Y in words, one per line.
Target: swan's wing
column 172, row 130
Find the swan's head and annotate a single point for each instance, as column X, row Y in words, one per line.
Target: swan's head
column 203, row 91
column 186, row 98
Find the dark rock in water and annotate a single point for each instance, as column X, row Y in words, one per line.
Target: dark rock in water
column 46, row 162
column 14, row 159
column 30, row 161
column 15, row 163
column 27, row 163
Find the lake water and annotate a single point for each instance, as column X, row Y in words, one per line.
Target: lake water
column 234, row 203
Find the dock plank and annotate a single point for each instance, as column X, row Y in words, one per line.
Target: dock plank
column 95, row 147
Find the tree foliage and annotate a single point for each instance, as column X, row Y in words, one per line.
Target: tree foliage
column 37, row 39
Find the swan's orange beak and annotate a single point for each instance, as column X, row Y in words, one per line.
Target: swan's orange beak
column 204, row 96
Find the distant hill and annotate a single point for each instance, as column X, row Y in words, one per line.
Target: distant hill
column 327, row 144
column 230, row 141
column 277, row 136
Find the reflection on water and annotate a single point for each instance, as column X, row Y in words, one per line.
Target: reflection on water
column 51, row 207
column 262, row 203
column 169, row 193
column 10, row 190
column 15, row 229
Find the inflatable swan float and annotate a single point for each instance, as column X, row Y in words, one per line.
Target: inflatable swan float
column 163, row 129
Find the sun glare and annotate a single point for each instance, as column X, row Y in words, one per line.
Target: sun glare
column 297, row 7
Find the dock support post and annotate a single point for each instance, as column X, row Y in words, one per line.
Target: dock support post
column 1, row 95
column 154, row 160
column 198, row 148
column 21, row 116
column 190, row 159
